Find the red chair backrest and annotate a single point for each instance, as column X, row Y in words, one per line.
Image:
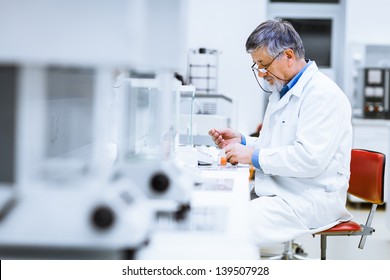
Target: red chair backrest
column 367, row 175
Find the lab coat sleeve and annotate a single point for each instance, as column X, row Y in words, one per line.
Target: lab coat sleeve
column 324, row 117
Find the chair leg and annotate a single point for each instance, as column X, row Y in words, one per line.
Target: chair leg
column 323, row 247
column 367, row 229
column 289, row 253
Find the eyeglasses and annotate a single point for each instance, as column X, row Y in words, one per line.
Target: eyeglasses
column 264, row 70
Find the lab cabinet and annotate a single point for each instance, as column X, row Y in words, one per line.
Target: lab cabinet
column 373, row 134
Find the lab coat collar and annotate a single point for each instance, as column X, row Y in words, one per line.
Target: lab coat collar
column 296, row 90
column 306, row 76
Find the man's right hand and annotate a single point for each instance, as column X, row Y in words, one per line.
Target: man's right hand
column 224, row 137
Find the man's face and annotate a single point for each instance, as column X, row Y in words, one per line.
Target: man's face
column 269, row 67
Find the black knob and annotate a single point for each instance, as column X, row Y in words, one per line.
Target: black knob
column 103, row 217
column 159, row 182
column 182, row 212
column 202, row 50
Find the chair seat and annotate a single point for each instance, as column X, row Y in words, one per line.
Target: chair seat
column 344, row 227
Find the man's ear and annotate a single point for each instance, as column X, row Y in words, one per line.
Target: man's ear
column 290, row 54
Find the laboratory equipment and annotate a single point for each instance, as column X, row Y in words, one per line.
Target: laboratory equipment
column 147, row 122
column 62, row 197
column 203, row 70
column 148, row 137
column 201, row 112
column 376, row 91
column 370, row 82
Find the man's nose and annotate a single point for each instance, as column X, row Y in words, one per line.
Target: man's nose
column 262, row 75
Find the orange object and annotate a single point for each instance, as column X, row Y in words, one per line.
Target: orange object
column 251, row 172
column 222, row 161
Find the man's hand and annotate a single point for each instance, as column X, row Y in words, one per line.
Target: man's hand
column 237, row 153
column 225, row 137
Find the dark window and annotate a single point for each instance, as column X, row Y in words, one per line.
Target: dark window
column 8, row 77
column 307, row 1
column 316, row 35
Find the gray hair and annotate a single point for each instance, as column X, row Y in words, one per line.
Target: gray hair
column 275, row 36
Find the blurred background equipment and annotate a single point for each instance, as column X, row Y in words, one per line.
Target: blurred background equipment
column 203, row 70
column 206, row 107
column 200, row 112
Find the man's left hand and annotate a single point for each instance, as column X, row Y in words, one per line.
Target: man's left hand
column 238, row 153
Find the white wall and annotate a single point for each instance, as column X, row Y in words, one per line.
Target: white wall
column 368, row 21
column 225, row 25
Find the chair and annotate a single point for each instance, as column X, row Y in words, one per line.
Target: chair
column 366, row 183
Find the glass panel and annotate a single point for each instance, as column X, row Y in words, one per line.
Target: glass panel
column 151, row 117
column 69, row 126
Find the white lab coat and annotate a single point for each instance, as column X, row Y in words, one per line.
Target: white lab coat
column 305, row 149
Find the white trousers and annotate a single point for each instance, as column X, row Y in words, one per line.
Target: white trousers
column 274, row 221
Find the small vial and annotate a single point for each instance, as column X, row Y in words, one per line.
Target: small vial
column 222, row 158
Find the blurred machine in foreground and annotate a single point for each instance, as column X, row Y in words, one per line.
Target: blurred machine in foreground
column 63, row 200
column 148, row 136
column 59, row 196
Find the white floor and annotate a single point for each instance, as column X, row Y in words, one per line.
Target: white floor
column 377, row 246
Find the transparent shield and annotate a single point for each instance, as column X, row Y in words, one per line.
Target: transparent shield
column 149, row 117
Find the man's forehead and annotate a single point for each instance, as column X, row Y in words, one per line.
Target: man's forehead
column 260, row 55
